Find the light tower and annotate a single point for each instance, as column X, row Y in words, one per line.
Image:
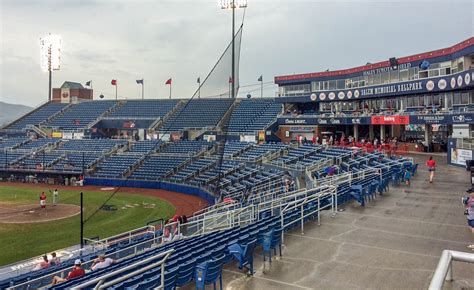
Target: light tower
column 50, row 56
column 232, row 4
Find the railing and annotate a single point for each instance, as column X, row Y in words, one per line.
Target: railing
column 299, row 204
column 463, row 143
column 100, row 281
column 444, row 270
column 119, row 255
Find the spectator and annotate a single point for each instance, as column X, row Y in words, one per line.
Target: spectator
column 76, row 272
column 102, row 262
column 431, row 163
column 55, row 261
column 44, row 264
column 470, row 214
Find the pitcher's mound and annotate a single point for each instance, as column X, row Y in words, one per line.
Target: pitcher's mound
column 30, row 213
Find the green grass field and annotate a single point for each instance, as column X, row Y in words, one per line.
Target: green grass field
column 22, row 241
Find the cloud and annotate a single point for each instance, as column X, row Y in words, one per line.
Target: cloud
column 155, row 40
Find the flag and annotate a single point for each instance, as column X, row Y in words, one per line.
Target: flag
column 114, row 82
column 88, row 83
column 140, row 81
column 260, row 79
column 230, row 80
column 199, row 80
column 168, row 82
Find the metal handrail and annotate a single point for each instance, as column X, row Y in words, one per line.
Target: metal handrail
column 100, row 280
column 444, row 270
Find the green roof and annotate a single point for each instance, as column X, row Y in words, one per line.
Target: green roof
column 71, row 85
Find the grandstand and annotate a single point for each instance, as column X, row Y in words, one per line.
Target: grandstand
column 197, row 113
column 37, row 116
column 80, row 116
column 268, row 186
column 251, row 115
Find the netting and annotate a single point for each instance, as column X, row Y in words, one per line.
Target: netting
column 219, row 80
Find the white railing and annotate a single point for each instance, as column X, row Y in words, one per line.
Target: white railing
column 299, row 204
column 124, row 254
column 444, row 270
column 100, row 281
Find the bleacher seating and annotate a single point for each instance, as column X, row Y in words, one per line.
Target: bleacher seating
column 198, row 113
column 79, row 116
column 233, row 149
column 257, row 152
column 155, row 167
column 252, row 115
column 8, row 158
column 116, row 166
column 12, row 142
column 39, row 161
column 187, row 147
column 37, row 116
column 94, row 145
column 192, row 169
column 72, row 162
column 37, row 144
column 144, row 109
column 145, row 146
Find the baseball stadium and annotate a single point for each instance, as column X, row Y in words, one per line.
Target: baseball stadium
column 354, row 178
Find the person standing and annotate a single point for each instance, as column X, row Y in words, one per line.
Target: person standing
column 43, row 200
column 431, row 163
column 55, row 196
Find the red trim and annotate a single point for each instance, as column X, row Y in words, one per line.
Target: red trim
column 420, row 56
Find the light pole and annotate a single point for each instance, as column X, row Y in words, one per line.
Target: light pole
column 232, row 4
column 50, row 56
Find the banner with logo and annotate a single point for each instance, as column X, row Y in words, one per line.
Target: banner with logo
column 390, row 120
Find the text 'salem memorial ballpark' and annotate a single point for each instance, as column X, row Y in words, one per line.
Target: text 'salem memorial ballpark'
column 323, row 186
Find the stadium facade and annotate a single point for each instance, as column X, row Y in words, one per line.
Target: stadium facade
column 419, row 96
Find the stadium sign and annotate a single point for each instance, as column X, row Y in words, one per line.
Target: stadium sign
column 386, row 69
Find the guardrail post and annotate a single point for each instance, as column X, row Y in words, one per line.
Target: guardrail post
column 302, row 219
column 319, row 210
column 449, row 274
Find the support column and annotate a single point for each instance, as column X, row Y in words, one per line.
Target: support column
column 392, row 131
column 428, row 135
column 382, row 133
column 356, row 132
column 371, row 132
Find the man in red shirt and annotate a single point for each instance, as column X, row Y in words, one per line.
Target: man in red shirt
column 76, row 272
column 43, row 200
column 431, row 163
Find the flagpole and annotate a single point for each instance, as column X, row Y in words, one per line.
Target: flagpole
column 170, row 90
column 261, row 88
column 143, row 89
column 116, row 85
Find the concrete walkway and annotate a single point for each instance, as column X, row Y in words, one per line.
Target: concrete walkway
column 393, row 243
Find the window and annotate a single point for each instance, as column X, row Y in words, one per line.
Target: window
column 394, row 76
column 433, row 73
column 456, row 98
column 340, row 84
column 377, row 79
column 370, row 80
column 385, row 77
column 423, row 74
column 404, row 75
column 465, row 98
column 413, row 73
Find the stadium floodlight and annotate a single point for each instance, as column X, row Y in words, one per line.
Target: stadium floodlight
column 50, row 55
column 232, row 4
column 50, row 50
column 228, row 4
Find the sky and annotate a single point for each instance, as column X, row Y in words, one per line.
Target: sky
column 182, row 39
